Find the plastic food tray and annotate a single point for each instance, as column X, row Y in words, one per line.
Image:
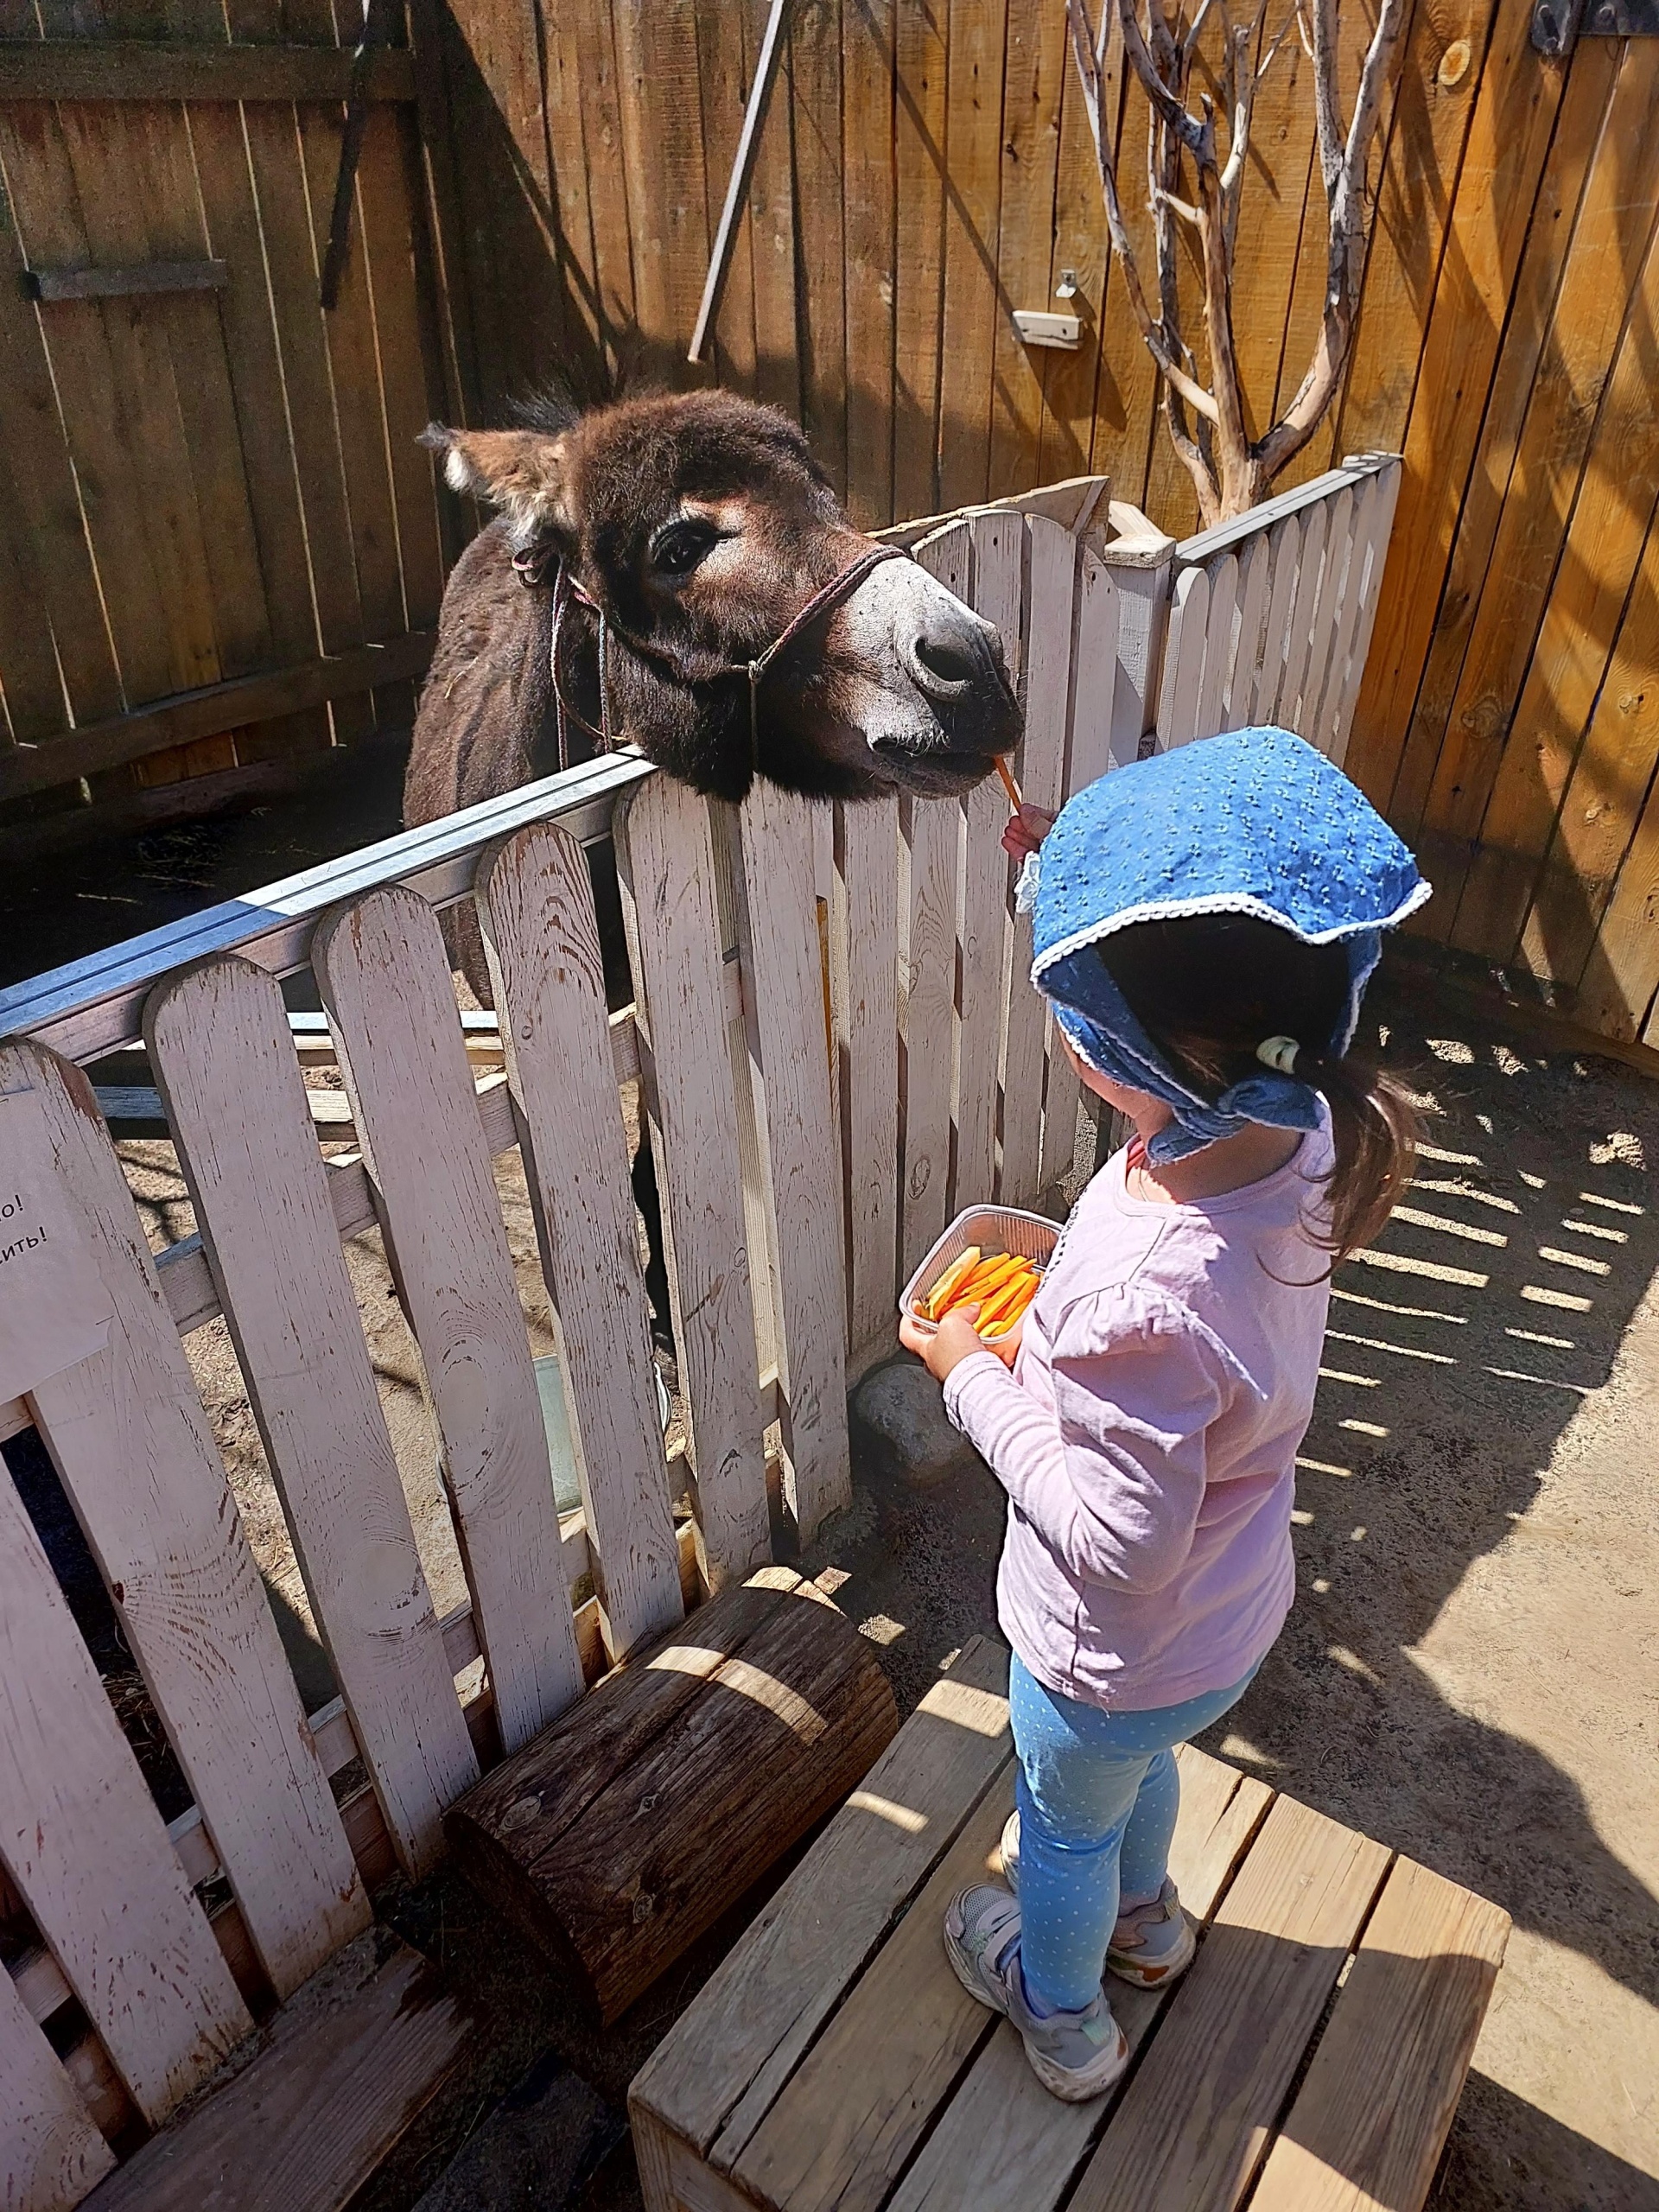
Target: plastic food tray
column 1032, row 1235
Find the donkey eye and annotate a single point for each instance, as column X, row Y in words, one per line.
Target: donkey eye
column 677, row 550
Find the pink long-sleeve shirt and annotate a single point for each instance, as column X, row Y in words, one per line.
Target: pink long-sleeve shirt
column 1147, row 1435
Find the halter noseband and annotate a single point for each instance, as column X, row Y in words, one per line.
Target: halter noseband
column 530, row 566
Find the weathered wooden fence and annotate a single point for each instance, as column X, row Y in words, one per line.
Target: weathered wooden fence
column 835, row 1045
column 218, row 539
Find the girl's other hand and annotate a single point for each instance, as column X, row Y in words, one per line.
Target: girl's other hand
column 1007, row 1347
column 954, row 1340
column 1027, row 830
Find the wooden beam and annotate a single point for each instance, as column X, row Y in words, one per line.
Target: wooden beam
column 737, row 186
column 188, row 715
column 127, row 69
column 50, row 284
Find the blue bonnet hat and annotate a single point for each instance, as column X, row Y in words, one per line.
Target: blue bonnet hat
column 1258, row 823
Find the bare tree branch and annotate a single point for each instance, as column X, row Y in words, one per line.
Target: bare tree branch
column 1083, row 49
column 1345, row 257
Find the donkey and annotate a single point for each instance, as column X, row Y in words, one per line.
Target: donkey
column 675, row 570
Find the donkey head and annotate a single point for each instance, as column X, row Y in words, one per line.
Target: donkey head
column 699, row 526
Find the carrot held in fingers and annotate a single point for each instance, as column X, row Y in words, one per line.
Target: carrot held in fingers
column 1008, row 784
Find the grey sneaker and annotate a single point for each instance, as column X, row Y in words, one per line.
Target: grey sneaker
column 1151, row 1944
column 1075, row 2055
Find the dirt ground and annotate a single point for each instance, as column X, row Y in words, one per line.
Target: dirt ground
column 1470, row 1671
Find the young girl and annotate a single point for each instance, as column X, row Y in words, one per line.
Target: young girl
column 1204, row 924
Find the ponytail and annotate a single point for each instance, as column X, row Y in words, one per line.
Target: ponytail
column 1374, row 1131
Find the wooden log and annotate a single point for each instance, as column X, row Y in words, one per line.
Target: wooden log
column 625, row 1830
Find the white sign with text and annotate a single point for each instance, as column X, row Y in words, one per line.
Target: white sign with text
column 54, row 1310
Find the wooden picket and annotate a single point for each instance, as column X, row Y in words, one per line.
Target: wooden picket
column 536, row 905
column 384, row 978
column 800, row 1151
column 927, row 999
column 1051, row 556
column 85, row 1848
column 219, row 1046
column 131, row 1445
column 665, row 862
column 998, row 543
column 867, row 926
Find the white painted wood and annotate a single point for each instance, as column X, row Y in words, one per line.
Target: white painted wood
column 1051, row 556
column 1221, row 644
column 1346, row 619
column 1226, row 537
column 665, row 865
column 1184, row 655
column 800, row 1151
column 51, row 2155
column 1382, row 529
column 1338, row 526
column 982, row 897
column 1255, row 575
column 1140, row 558
column 221, row 1050
column 867, row 931
column 929, row 830
column 1285, row 541
column 1094, row 676
column 1299, row 634
column 1094, row 685
column 384, row 978
column 536, row 905
column 130, row 1441
column 84, row 1846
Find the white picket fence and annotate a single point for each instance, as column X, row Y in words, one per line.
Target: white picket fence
column 836, row 1047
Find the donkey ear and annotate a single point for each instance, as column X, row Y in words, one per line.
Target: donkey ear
column 524, row 473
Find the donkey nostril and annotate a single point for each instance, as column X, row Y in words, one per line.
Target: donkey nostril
column 947, row 662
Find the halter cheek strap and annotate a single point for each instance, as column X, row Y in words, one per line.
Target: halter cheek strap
column 531, row 566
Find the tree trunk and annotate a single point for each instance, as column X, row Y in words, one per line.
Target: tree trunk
column 625, row 1829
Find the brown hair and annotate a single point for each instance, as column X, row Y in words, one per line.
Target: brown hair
column 1209, row 988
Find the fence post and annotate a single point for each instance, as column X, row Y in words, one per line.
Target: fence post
column 1140, row 555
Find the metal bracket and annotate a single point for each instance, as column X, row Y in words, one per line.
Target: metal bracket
column 1557, row 25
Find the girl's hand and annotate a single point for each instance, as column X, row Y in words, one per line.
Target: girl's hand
column 954, row 1340
column 1027, row 830
column 1007, row 1347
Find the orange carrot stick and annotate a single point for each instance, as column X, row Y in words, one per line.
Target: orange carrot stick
column 1008, row 784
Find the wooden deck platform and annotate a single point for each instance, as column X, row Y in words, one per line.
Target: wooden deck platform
column 1313, row 2058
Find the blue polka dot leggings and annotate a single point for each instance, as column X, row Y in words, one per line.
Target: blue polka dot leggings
column 1097, row 1792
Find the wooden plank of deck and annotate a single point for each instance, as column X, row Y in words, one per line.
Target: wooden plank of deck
column 348, row 2064
column 1194, row 2123
column 714, row 2083
column 842, row 2131
column 1404, row 2027
column 1004, row 2144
